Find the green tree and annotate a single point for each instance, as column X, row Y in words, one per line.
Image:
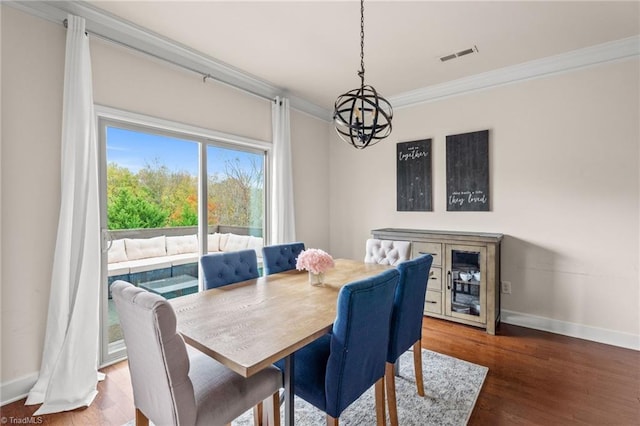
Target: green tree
column 156, row 197
column 129, row 211
column 174, row 191
column 119, row 177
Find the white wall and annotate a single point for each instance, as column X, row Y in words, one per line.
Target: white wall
column 32, row 80
column 133, row 81
column 32, row 72
column 564, row 161
column 310, row 151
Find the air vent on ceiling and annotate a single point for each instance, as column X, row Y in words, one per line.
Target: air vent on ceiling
column 464, row 52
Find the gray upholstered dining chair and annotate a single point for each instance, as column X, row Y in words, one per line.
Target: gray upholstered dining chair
column 281, row 257
column 226, row 268
column 176, row 386
column 387, row 252
column 406, row 324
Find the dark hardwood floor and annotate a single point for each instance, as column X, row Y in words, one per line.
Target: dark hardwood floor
column 535, row 378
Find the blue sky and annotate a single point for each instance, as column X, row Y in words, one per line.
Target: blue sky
column 134, row 150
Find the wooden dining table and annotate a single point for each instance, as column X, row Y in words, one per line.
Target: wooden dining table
column 249, row 325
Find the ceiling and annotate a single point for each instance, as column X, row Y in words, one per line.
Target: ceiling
column 312, row 49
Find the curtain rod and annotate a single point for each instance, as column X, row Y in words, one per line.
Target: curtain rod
column 205, row 76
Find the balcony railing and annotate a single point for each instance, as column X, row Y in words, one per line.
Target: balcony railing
column 182, row 230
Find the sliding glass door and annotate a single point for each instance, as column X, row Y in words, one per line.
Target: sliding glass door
column 151, row 207
column 154, row 182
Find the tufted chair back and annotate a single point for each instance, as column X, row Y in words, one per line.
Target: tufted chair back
column 387, row 252
column 333, row 371
column 225, row 268
column 408, row 305
column 158, row 359
column 406, row 324
column 281, row 257
column 359, row 339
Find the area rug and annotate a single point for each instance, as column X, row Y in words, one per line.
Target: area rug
column 451, row 388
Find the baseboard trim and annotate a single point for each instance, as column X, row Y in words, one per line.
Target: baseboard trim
column 595, row 334
column 17, row 389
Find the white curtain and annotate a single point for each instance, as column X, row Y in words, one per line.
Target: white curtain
column 68, row 374
column 283, row 225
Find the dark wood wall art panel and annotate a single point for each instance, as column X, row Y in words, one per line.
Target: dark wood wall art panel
column 468, row 172
column 413, row 170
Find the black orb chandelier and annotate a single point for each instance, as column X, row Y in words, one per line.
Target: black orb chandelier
column 362, row 117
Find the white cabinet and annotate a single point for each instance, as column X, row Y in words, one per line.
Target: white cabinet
column 464, row 282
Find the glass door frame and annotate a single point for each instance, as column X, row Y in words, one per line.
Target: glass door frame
column 106, row 116
column 448, row 311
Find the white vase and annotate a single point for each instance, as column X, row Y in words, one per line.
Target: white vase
column 316, row 279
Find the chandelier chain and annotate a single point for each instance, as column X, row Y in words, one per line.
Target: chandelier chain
column 362, row 117
column 361, row 73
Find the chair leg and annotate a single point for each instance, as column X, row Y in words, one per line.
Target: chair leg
column 331, row 421
column 257, row 414
column 390, row 384
column 417, row 365
column 273, row 409
column 141, row 419
column 381, row 417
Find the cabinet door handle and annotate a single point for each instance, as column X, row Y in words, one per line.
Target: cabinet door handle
column 434, row 278
column 431, row 301
column 449, row 280
column 425, row 252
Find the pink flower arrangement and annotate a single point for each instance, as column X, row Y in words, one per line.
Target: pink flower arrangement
column 314, row 260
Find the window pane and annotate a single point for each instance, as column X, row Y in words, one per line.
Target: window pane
column 235, row 187
column 152, row 214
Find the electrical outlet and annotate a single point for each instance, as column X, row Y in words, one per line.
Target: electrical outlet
column 506, row 287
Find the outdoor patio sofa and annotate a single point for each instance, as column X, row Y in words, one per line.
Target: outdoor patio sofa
column 139, row 260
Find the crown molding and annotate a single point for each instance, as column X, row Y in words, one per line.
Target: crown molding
column 607, row 52
column 107, row 26
column 110, row 27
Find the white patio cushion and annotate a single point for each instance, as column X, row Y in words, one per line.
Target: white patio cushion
column 236, row 242
column 182, row 244
column 142, row 248
column 213, row 242
column 256, row 243
column 223, row 241
column 117, row 252
column 183, row 259
column 144, row 265
column 118, row 269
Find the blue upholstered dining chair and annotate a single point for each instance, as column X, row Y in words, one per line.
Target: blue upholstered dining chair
column 334, row 370
column 406, row 324
column 173, row 385
column 280, row 257
column 226, row 268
